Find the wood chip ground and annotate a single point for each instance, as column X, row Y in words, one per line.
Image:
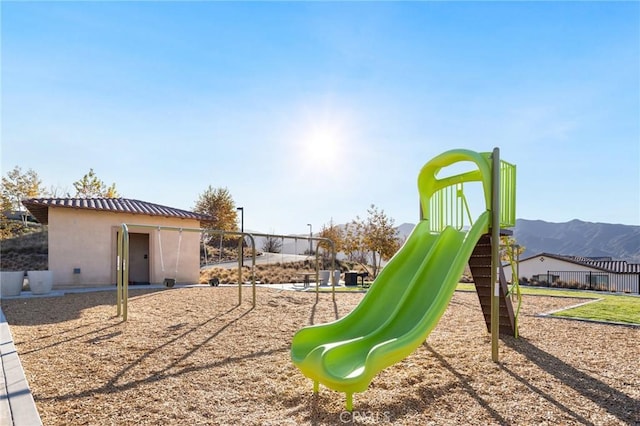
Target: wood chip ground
column 193, row 356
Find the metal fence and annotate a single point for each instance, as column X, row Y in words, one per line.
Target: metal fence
column 590, row 280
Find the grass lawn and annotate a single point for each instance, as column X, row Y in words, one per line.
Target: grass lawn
column 340, row 289
column 609, row 308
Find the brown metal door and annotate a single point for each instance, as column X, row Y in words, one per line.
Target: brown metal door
column 139, row 258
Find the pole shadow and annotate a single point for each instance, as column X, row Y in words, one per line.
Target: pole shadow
column 615, row 402
column 312, row 315
column 467, row 387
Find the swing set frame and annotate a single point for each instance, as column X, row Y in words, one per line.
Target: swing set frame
column 122, row 260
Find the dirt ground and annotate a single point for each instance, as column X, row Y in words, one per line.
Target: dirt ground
column 193, row 356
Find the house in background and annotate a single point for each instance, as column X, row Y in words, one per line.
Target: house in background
column 83, row 235
column 601, row 273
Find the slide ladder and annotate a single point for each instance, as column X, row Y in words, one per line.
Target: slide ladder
column 480, row 264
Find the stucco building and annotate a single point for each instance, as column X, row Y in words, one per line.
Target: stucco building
column 601, row 273
column 83, row 235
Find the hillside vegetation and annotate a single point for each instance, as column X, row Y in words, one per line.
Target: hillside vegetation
column 27, row 252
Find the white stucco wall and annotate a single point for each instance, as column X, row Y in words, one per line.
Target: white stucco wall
column 86, row 239
column 543, row 264
column 534, row 266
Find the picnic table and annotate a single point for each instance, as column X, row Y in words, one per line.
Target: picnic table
column 351, row 278
column 306, row 276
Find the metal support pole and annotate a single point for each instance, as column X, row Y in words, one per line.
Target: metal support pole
column 239, row 273
column 333, row 266
column 119, row 275
column 495, row 253
column 122, row 273
column 125, row 272
column 125, row 277
column 253, row 269
column 333, row 271
column 241, row 252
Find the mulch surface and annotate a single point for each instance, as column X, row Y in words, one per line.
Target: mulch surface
column 194, row 356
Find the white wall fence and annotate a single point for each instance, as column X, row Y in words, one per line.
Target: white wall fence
column 590, row 280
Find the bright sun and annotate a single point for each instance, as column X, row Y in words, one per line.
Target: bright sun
column 322, row 148
column 322, row 136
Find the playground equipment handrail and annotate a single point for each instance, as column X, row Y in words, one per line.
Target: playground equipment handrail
column 514, row 288
column 507, row 194
column 443, row 201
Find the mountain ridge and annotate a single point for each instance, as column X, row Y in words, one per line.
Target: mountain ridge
column 574, row 238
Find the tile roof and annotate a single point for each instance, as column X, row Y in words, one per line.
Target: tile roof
column 602, row 263
column 620, row 266
column 39, row 207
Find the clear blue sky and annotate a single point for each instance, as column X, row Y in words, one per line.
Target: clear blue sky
column 313, row 111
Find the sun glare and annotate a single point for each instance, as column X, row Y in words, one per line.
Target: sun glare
column 322, row 148
column 321, row 138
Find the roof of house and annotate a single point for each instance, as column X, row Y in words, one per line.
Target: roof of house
column 39, row 207
column 602, row 263
column 18, row 215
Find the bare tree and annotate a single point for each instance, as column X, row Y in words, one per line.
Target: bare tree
column 272, row 244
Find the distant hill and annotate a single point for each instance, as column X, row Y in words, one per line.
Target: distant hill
column 576, row 238
column 404, row 230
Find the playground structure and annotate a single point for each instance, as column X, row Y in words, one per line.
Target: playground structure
column 412, row 292
column 122, row 260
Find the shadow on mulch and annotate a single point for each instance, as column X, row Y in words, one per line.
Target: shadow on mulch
column 173, row 368
column 312, row 315
column 52, row 310
column 618, row 404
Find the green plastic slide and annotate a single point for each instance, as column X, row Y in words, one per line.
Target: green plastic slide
column 395, row 317
column 407, row 299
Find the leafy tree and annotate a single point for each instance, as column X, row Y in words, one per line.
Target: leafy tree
column 16, row 186
column 272, row 244
column 353, row 243
column 380, row 237
column 510, row 248
column 218, row 203
column 90, row 186
column 335, row 234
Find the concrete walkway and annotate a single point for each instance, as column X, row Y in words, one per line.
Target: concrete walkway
column 16, row 402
